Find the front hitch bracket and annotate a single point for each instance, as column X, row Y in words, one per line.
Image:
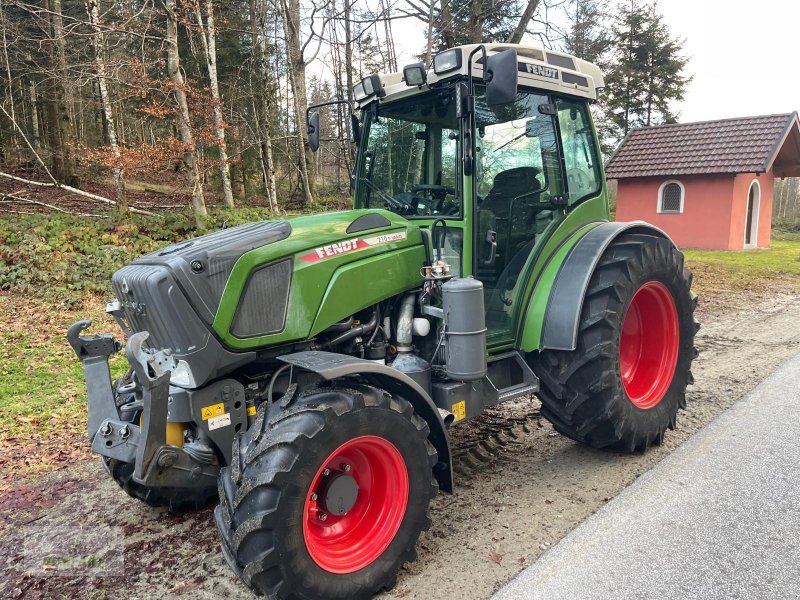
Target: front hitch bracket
column 144, row 445
column 152, row 369
column 93, row 352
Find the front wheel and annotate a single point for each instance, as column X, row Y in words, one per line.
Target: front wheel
column 623, row 385
column 326, row 498
column 174, row 499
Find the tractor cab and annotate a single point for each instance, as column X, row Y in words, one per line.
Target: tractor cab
column 501, row 154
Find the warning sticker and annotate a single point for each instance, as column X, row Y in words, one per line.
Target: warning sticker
column 251, row 411
column 215, row 410
column 352, row 245
column 220, row 421
column 459, row 410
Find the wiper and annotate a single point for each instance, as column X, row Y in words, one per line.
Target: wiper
column 519, row 137
column 391, row 202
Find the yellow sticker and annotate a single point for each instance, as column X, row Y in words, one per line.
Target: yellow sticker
column 459, row 410
column 251, row 411
column 215, row 410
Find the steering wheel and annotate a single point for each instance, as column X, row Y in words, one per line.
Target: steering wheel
column 578, row 179
column 437, row 192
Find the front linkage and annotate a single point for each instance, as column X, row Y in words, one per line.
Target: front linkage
column 129, row 420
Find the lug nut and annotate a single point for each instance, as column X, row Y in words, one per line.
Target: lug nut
column 124, row 432
column 326, row 472
column 106, row 429
column 346, row 468
column 314, row 497
column 322, row 516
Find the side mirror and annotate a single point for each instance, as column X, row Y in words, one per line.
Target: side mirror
column 355, row 127
column 313, row 131
column 501, row 77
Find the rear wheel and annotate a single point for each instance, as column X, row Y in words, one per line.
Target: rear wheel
column 326, row 497
column 623, row 385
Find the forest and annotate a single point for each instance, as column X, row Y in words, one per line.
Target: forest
column 140, row 104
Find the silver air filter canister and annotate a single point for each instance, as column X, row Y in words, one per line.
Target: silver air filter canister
column 465, row 329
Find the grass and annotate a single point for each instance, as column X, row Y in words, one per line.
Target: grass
column 720, row 273
column 42, row 393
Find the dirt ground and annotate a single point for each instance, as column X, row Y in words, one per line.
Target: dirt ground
column 520, row 488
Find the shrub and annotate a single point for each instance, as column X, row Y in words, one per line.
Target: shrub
column 65, row 256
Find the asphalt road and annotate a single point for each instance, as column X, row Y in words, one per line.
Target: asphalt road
column 718, row 518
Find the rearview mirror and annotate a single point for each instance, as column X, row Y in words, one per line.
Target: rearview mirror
column 355, row 128
column 501, row 77
column 313, row 131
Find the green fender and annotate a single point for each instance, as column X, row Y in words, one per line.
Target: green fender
column 331, row 366
column 552, row 320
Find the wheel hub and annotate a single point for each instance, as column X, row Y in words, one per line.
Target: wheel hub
column 338, row 494
column 648, row 347
column 355, row 504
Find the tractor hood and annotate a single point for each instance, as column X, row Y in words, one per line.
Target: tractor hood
column 330, row 266
column 269, row 282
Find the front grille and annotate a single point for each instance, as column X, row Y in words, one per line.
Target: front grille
column 153, row 302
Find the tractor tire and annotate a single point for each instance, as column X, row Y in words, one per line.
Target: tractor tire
column 623, row 385
column 174, row 499
column 327, row 494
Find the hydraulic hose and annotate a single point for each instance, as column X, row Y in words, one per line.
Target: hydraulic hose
column 355, row 331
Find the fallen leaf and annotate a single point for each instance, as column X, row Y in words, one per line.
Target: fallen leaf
column 495, row 557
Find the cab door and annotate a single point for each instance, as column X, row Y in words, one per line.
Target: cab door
column 520, row 191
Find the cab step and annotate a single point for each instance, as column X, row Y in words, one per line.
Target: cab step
column 510, row 376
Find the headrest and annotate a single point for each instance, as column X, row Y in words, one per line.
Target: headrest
column 519, row 179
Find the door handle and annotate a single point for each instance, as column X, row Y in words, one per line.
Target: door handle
column 491, row 239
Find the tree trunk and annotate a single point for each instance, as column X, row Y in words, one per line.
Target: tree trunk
column 447, row 24
column 262, row 106
column 37, row 143
column 10, row 88
column 476, row 20
column 429, row 45
column 297, row 78
column 391, row 64
column 208, row 33
column 184, row 122
column 525, row 19
column 238, row 168
column 93, row 12
column 60, row 126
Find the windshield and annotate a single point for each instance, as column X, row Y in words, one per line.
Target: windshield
column 410, row 162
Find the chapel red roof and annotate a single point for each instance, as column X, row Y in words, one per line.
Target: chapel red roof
column 742, row 145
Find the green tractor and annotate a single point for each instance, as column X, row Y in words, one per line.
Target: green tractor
column 306, row 371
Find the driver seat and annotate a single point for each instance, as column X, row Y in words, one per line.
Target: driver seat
column 509, row 184
column 497, row 207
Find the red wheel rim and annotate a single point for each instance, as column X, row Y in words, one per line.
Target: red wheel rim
column 648, row 346
column 349, row 542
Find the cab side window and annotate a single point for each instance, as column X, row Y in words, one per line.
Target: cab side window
column 580, row 151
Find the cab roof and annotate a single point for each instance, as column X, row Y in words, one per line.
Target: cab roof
column 536, row 68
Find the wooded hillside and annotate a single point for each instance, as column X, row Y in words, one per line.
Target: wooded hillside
column 208, row 97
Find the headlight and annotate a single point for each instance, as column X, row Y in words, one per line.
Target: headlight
column 414, row 74
column 358, row 92
column 447, row 61
column 373, row 85
column 182, row 375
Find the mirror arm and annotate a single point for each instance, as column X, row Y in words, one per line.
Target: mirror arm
column 309, row 127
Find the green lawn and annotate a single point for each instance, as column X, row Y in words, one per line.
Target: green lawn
column 42, row 402
column 718, row 273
